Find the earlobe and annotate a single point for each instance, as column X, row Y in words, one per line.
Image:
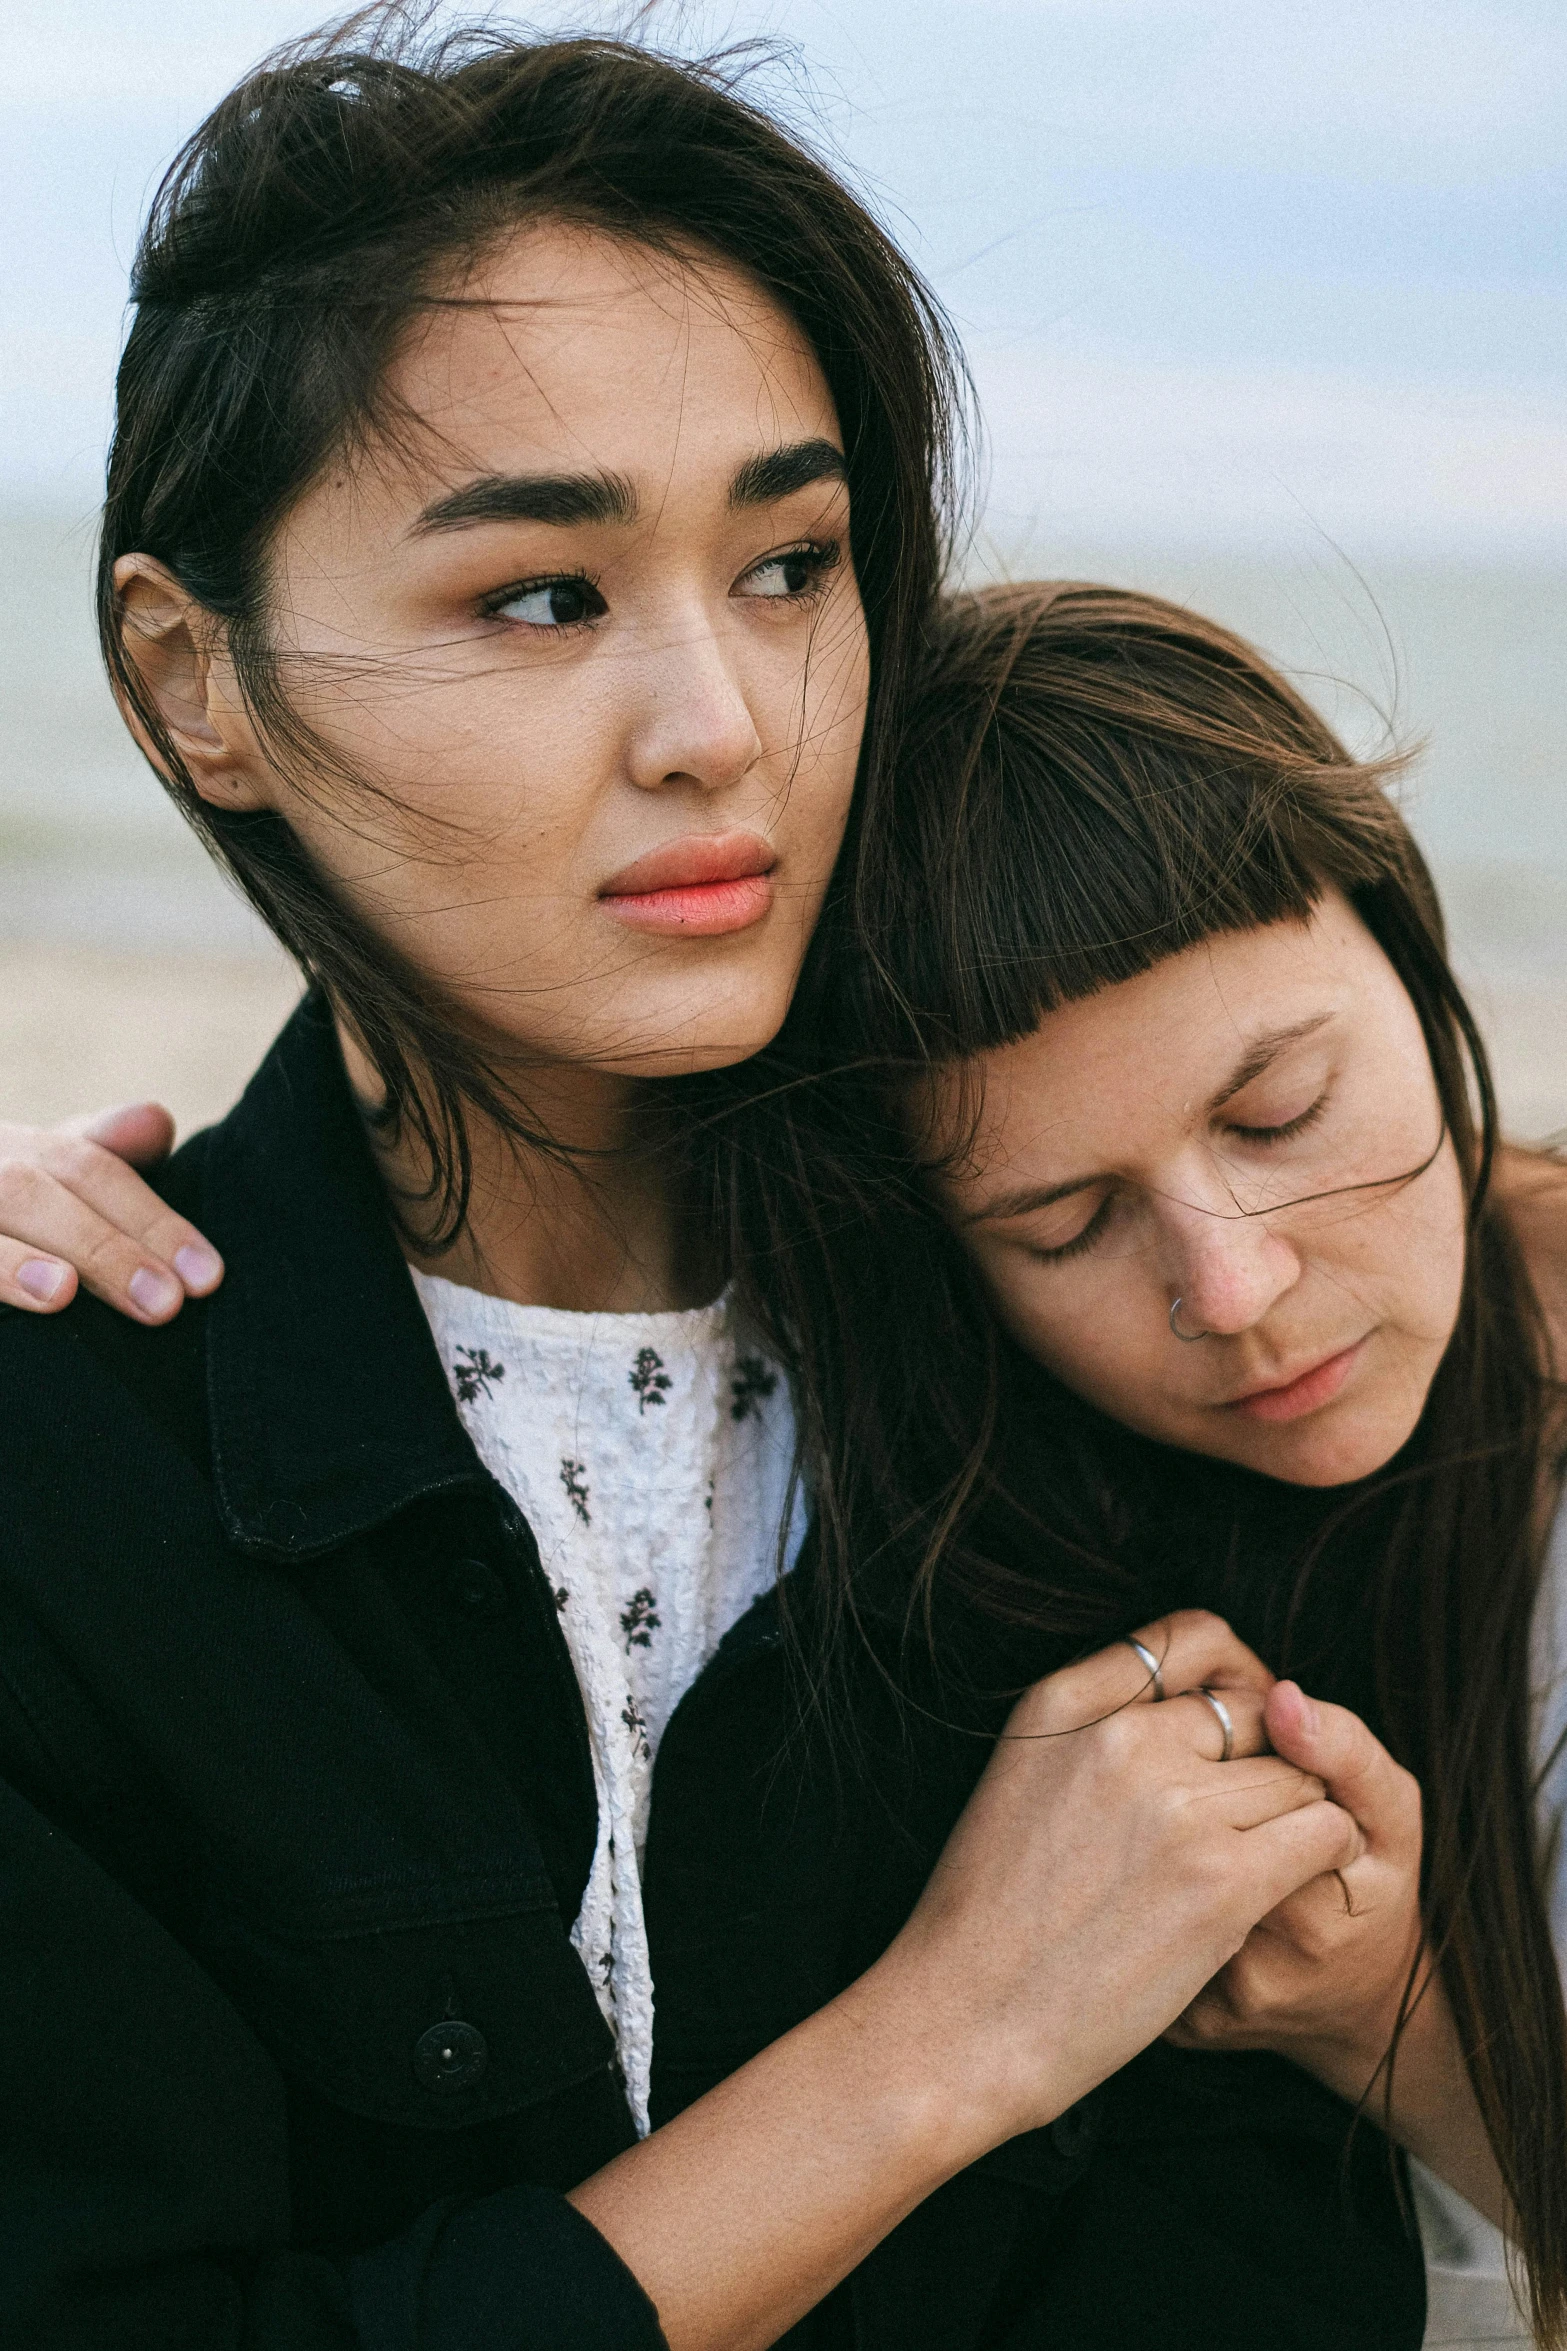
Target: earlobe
column 174, row 646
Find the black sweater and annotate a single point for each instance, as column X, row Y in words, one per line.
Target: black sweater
column 297, row 1809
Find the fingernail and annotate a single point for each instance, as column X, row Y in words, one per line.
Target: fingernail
column 153, row 1292
column 197, row 1266
column 39, row 1278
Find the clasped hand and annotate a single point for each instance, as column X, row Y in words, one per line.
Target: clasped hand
column 1320, row 1979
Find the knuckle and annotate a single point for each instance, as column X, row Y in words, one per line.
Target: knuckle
column 22, row 1185
column 1197, row 1620
column 1313, row 1941
column 1119, row 1739
column 72, row 1159
column 1207, row 2021
column 105, row 1254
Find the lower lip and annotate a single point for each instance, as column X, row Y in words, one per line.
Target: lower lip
column 702, row 910
column 1307, row 1394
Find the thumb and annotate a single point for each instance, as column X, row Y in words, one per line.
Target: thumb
column 140, row 1132
column 1357, row 1770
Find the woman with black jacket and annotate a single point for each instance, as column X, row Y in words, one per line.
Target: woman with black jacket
column 520, row 528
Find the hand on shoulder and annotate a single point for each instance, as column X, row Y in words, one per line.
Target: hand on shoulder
column 73, row 1208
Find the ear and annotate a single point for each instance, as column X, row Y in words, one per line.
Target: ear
column 179, row 651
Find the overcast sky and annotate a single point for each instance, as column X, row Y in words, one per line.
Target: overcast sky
column 1230, row 271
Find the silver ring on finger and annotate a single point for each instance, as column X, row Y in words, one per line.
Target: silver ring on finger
column 1221, row 1715
column 1150, row 1662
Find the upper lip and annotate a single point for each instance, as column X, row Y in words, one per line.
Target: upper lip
column 694, row 859
column 1272, row 1385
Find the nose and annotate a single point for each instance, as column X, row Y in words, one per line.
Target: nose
column 1226, row 1270
column 696, row 725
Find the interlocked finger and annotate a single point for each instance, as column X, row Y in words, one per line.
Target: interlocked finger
column 1220, row 1724
column 1183, row 1651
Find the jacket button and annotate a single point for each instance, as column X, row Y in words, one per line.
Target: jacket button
column 474, row 1589
column 451, row 2056
column 1073, row 2133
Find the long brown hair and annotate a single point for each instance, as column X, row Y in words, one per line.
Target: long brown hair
column 1090, row 781
column 340, row 189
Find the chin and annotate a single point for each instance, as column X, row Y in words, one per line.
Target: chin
column 699, row 1038
column 1324, row 1455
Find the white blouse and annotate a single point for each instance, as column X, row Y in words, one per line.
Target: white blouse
column 1468, row 2299
column 653, row 1457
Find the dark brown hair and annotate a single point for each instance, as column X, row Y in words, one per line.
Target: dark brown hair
column 1090, row 781
column 344, row 185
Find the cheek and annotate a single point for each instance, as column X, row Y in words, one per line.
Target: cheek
column 1406, row 1260
column 1109, row 1346
column 480, row 798
column 821, row 713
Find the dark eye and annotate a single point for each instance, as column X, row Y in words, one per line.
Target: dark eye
column 793, row 573
column 550, row 604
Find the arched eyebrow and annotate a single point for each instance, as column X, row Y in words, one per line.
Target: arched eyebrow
column 561, row 498
column 1260, row 1052
column 1026, row 1198
column 763, row 481
column 570, row 500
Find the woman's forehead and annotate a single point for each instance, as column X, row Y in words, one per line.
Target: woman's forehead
column 1168, row 1042
column 598, row 349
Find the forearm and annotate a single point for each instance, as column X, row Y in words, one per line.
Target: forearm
column 742, row 2213
column 1433, row 2111
column 1092, row 1886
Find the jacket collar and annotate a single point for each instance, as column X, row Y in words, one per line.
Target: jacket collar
column 329, row 1408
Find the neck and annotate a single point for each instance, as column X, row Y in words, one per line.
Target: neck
column 603, row 1227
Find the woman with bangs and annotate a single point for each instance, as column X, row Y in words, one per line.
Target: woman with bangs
column 523, row 522
column 1187, row 1269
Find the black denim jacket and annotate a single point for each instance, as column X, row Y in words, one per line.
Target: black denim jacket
column 297, row 1808
column 1195, row 2202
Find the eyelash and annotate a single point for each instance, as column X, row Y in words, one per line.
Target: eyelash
column 1085, row 1240
column 820, row 555
column 491, row 606
column 1292, row 1127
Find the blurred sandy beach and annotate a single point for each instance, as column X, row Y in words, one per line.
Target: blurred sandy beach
column 82, row 1027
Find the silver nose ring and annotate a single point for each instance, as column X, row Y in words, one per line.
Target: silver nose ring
column 1188, row 1338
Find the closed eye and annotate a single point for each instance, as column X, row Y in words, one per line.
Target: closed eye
column 1290, row 1127
column 1081, row 1241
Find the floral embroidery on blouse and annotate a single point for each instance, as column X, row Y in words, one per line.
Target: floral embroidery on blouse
column 475, row 1373
column 639, row 1620
column 572, row 1477
column 655, row 1528
column 649, row 1380
column 631, row 1716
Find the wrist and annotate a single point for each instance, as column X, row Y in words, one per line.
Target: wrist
column 959, row 2080
column 1348, row 2056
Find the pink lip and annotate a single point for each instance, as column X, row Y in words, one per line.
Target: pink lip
column 702, row 885
column 1307, row 1392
